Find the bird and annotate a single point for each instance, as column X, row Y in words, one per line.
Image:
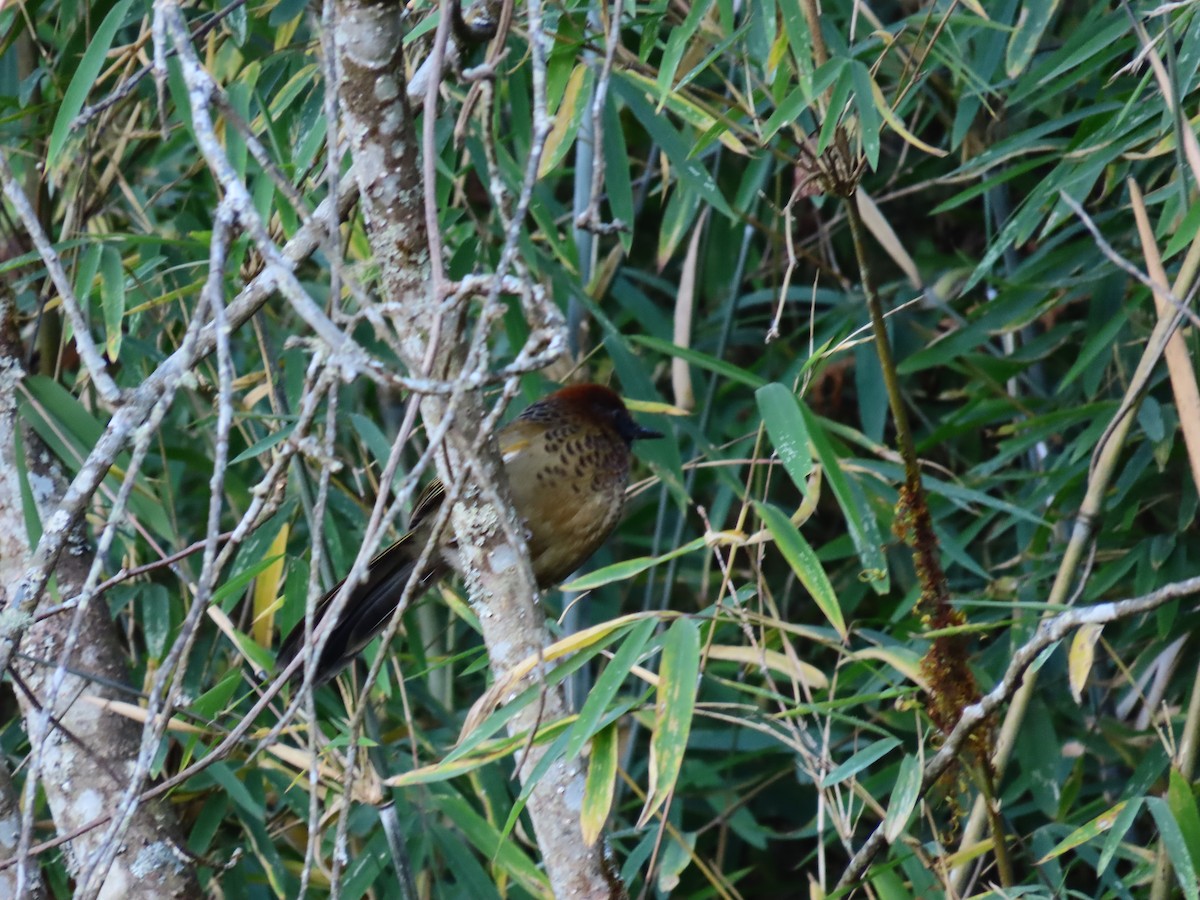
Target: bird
column 567, row 459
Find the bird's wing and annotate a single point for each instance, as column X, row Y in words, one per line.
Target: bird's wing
column 514, row 439
column 517, row 437
column 389, row 567
column 428, row 502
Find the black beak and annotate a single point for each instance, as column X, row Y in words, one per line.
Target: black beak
column 630, row 430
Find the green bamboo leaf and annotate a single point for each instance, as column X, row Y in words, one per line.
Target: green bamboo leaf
column 488, row 840
column 786, row 112
column 29, row 507
column 600, row 787
column 70, row 430
column 785, row 426
column 1183, row 235
column 240, row 93
column 1006, row 174
column 215, row 700
column 864, row 530
column 155, row 607
column 1092, row 43
column 691, row 172
column 672, row 713
column 232, row 787
column 427, row 25
column 718, row 51
column 1096, row 343
column 607, row 686
column 904, row 798
column 282, row 883
column 677, row 223
column 678, row 42
column 84, row 80
column 702, row 118
column 803, row 560
column 1086, row 832
column 85, row 273
column 799, row 41
column 1032, row 21
column 232, row 589
column 372, row 436
column 838, row 98
column 869, row 122
column 859, row 761
column 1183, row 807
column 1124, row 821
column 579, row 648
column 700, row 359
column 469, row 875
column 64, row 424
column 112, row 299
column 802, row 97
column 628, row 568
column 1176, row 846
column 208, row 707
column 264, row 444
column 616, row 173
column 964, row 497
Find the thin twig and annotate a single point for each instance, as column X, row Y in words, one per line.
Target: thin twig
column 1049, row 631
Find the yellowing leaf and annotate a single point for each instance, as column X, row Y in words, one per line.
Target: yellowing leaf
column 655, row 408
column 1081, row 656
column 779, row 49
column 138, row 714
column 266, row 590
column 897, row 124
column 785, row 665
column 904, row 661
column 483, row 753
column 511, row 680
column 882, row 229
column 1085, row 833
column 566, row 122
column 673, row 708
column 367, row 789
column 688, row 110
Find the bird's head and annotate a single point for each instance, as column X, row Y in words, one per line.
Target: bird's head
column 604, row 406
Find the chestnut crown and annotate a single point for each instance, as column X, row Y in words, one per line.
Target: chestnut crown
column 600, row 404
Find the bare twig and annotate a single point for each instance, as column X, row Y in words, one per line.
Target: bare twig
column 92, row 360
column 1049, row 631
column 590, row 218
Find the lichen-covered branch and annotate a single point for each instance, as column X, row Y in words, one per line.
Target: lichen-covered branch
column 433, row 341
column 80, row 752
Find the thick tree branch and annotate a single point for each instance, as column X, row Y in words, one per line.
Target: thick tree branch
column 79, row 751
column 494, row 560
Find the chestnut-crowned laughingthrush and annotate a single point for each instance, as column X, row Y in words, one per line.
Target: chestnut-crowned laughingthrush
column 567, row 461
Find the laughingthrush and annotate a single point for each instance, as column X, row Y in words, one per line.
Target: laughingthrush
column 567, row 462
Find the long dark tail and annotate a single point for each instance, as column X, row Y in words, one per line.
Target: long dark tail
column 365, row 614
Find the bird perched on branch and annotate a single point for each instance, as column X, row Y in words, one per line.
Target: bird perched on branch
column 567, row 461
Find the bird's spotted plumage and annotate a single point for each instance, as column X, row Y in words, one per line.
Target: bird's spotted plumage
column 567, row 461
column 579, row 452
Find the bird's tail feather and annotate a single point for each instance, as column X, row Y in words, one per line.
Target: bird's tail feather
column 365, row 613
